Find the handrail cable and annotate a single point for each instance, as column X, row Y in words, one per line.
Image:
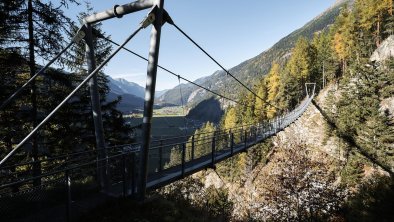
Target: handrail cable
column 111, row 147
column 301, row 108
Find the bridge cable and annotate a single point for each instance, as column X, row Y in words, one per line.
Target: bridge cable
column 174, row 74
column 87, row 78
column 225, row 70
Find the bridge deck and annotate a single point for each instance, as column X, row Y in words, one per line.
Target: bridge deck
column 167, row 176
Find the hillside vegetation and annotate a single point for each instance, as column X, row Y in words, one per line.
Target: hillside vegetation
column 343, row 144
column 336, row 162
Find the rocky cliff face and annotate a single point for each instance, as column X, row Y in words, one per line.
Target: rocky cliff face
column 382, row 54
column 385, row 50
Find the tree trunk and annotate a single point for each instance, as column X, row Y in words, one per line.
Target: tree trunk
column 378, row 32
column 36, row 166
column 343, row 67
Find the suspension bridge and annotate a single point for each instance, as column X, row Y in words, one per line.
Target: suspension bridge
column 130, row 169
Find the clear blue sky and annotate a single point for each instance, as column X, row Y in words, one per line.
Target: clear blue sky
column 231, row 31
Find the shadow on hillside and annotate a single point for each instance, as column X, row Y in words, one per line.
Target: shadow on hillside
column 374, row 201
column 207, row 110
column 156, row 208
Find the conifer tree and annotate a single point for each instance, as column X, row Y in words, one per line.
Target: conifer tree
column 325, row 66
column 359, row 115
column 389, row 21
column 35, row 29
column 230, row 120
column 14, row 71
column 300, row 63
column 299, row 70
column 260, row 104
column 203, row 138
column 248, row 111
column 273, row 84
column 343, row 42
column 372, row 14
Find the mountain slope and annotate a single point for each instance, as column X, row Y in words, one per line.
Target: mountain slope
column 253, row 69
column 121, row 86
column 132, row 94
column 128, row 103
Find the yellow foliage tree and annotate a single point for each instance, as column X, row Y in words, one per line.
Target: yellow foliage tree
column 231, row 118
column 203, row 137
column 371, row 15
column 300, row 63
column 343, row 41
column 273, row 84
column 260, row 104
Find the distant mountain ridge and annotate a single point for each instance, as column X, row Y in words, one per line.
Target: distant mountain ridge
column 132, row 94
column 253, row 69
column 121, row 86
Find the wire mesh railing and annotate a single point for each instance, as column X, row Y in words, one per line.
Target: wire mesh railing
column 72, row 177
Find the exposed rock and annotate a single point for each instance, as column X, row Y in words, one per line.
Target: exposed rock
column 384, row 51
column 212, row 179
column 387, row 107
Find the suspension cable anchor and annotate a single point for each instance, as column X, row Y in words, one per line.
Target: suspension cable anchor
column 79, row 35
column 149, row 19
column 152, row 16
column 167, row 18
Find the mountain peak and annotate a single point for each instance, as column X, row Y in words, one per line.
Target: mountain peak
column 122, row 86
column 124, row 81
column 340, row 2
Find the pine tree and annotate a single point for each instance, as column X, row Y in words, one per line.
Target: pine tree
column 37, row 32
column 203, row 138
column 14, row 71
column 359, row 115
column 248, row 111
column 11, row 20
column 289, row 91
column 325, row 68
column 298, row 71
